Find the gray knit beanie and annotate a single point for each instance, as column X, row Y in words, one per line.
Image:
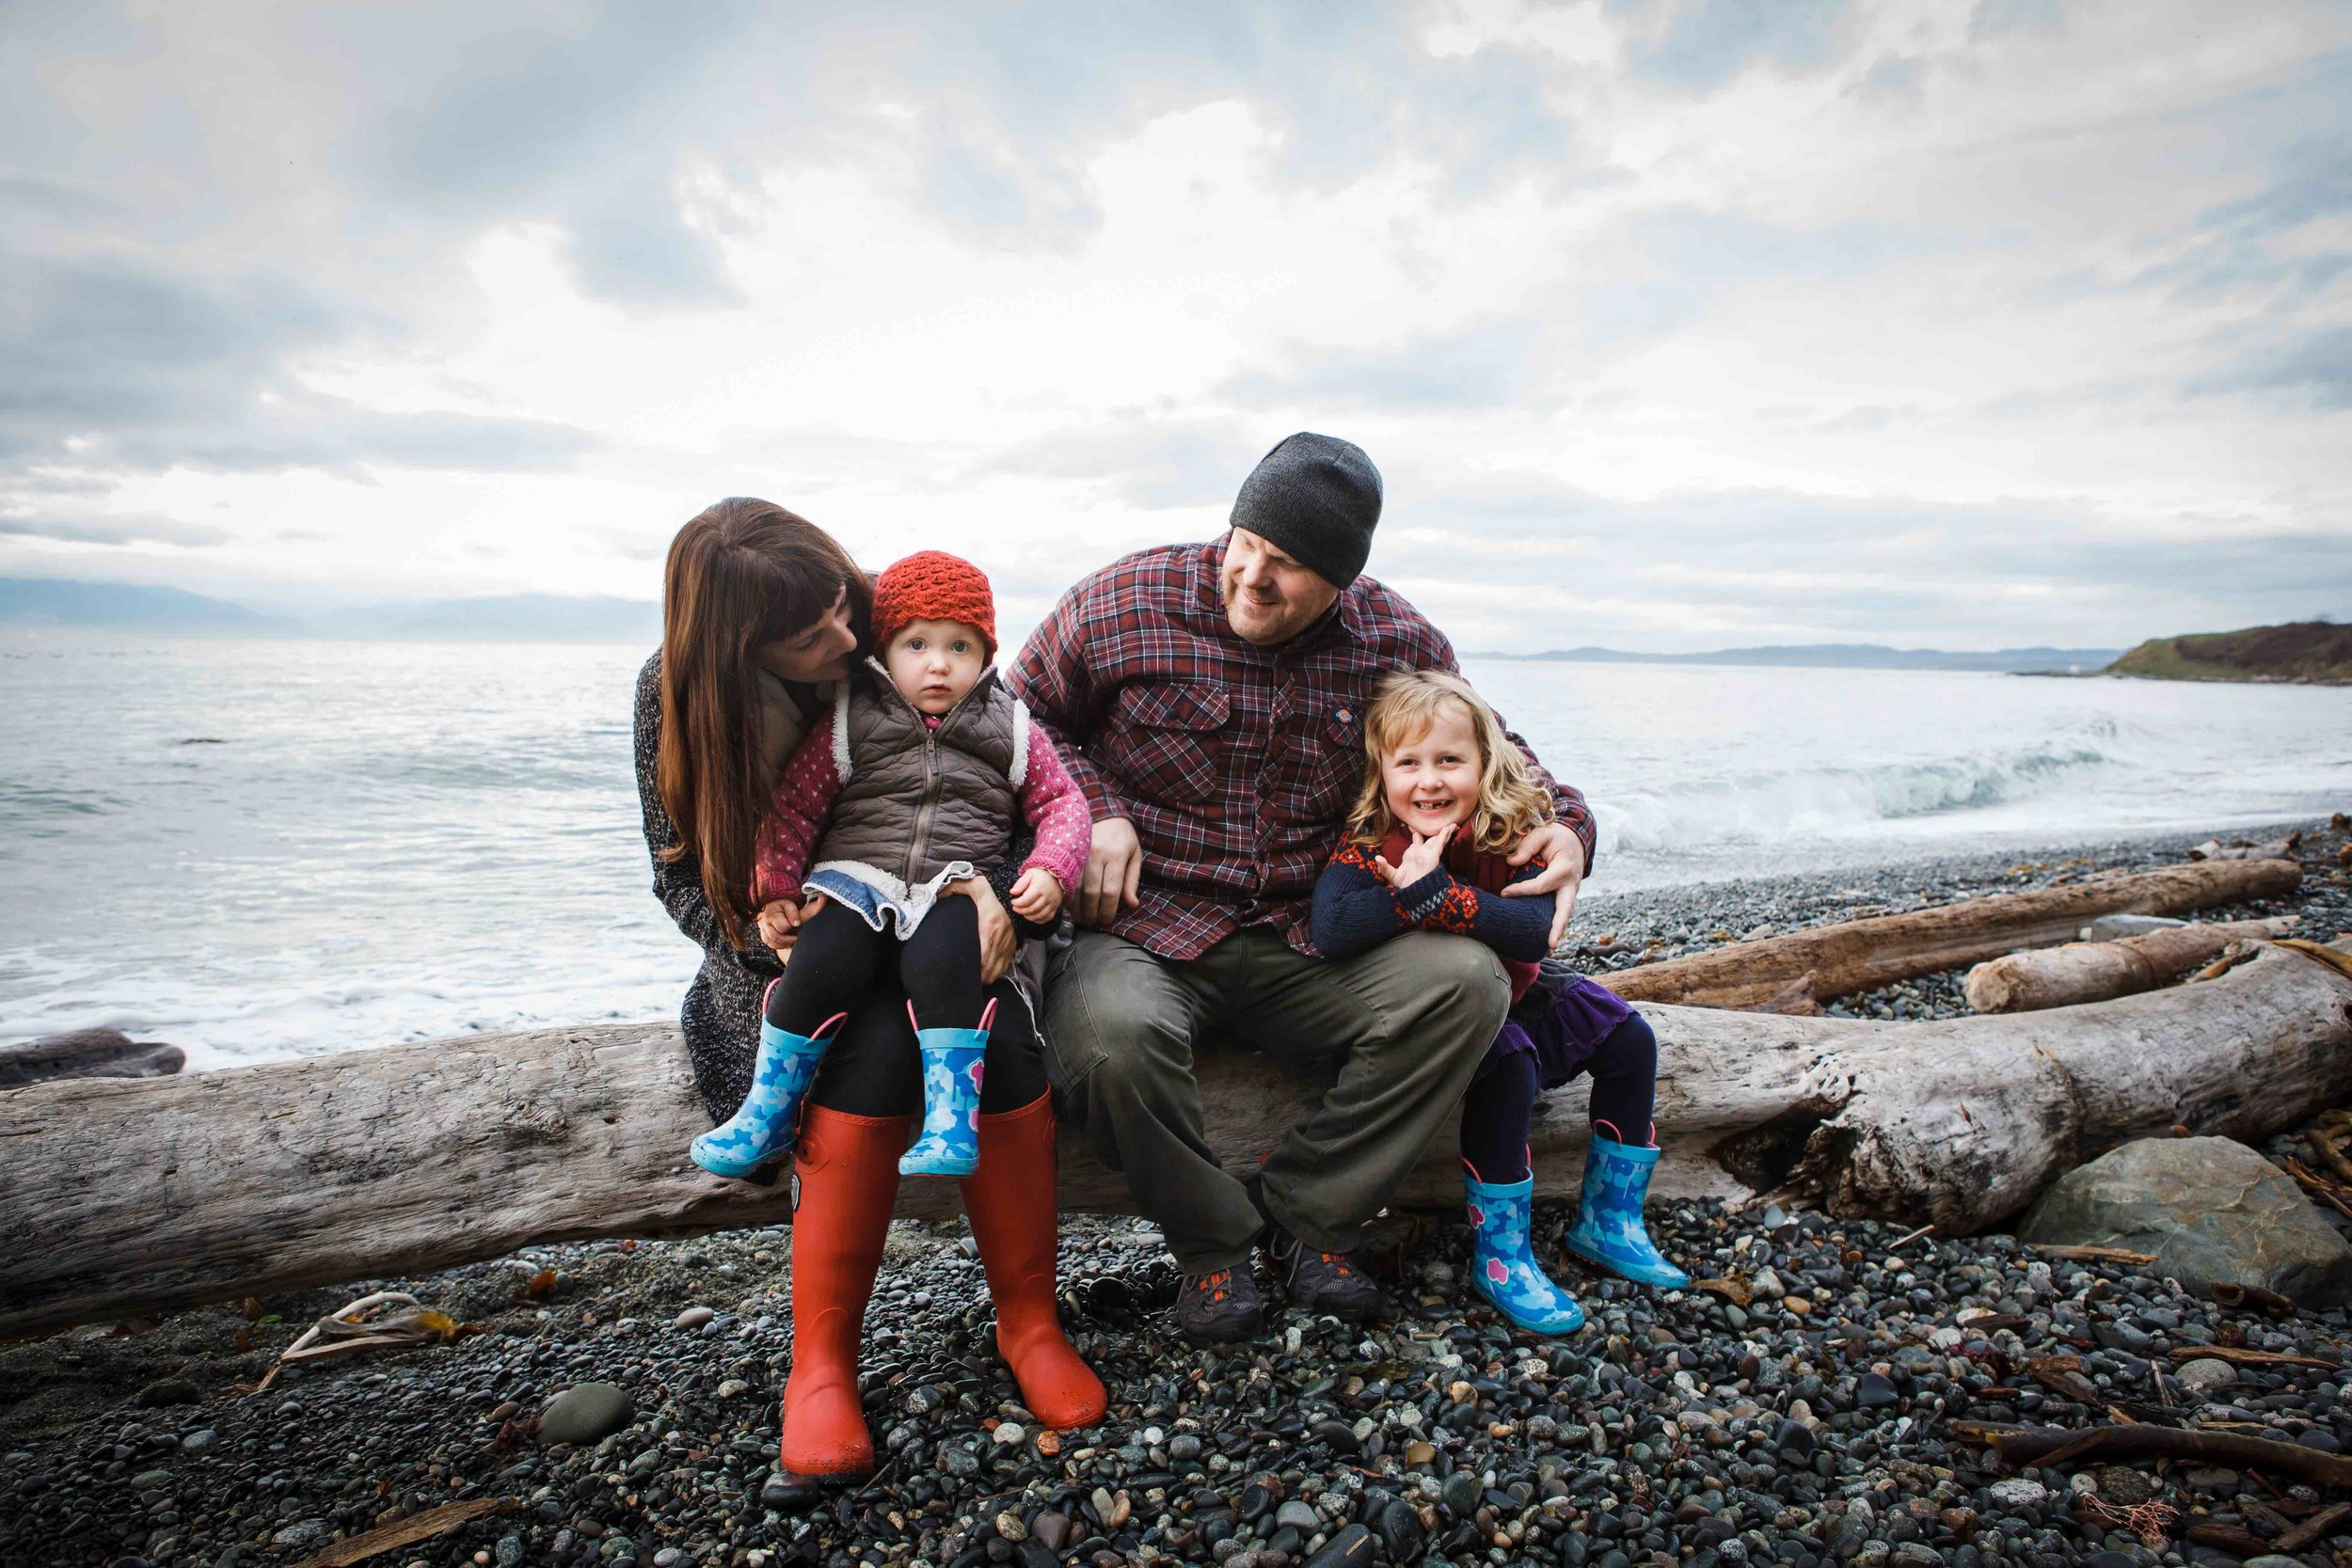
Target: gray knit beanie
column 1317, row 499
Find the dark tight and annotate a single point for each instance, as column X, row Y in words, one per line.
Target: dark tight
column 839, row 958
column 872, row 1067
column 1496, row 1110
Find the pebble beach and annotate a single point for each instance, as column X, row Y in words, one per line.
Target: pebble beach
column 614, row 1402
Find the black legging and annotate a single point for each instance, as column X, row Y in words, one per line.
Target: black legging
column 872, row 1068
column 1499, row 1104
column 837, row 957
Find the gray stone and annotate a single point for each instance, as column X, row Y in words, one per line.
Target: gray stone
column 2213, row 1211
column 694, row 1317
column 585, row 1412
column 2205, row 1374
column 1298, row 1515
column 309, row 1532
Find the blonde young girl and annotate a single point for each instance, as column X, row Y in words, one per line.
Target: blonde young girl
column 1446, row 799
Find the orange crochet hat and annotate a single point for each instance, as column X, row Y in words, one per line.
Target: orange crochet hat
column 932, row 585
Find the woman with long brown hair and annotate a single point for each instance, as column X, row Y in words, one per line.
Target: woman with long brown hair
column 762, row 612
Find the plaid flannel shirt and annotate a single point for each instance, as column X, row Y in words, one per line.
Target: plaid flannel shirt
column 1236, row 764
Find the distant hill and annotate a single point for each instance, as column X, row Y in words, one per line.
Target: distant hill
column 128, row 606
column 507, row 618
column 1846, row 655
column 2315, row 652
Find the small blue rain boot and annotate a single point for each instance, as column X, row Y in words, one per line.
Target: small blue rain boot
column 1608, row 1228
column 1503, row 1267
column 952, row 1067
column 766, row 1126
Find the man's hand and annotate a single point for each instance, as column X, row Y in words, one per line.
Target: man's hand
column 1424, row 855
column 1563, row 853
column 999, row 945
column 778, row 923
column 1114, row 867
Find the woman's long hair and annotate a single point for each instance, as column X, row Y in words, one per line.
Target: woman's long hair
column 1512, row 801
column 741, row 575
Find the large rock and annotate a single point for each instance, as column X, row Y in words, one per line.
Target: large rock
column 87, row 1053
column 2212, row 1210
column 586, row 1412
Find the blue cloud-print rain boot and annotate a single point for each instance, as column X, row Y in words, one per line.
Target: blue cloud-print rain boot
column 1608, row 1228
column 952, row 1067
column 766, row 1126
column 1503, row 1267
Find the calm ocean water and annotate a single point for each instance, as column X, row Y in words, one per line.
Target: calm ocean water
column 264, row 849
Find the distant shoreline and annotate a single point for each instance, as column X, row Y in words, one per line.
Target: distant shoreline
column 1844, row 655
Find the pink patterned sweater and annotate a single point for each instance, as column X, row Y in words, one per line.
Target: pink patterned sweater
column 1051, row 803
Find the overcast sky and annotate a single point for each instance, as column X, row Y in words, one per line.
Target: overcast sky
column 1671, row 324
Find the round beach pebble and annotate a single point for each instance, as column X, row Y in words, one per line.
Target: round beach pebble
column 585, row 1412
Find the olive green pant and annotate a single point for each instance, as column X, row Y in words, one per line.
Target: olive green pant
column 1409, row 1022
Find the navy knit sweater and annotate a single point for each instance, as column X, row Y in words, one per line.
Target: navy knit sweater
column 1355, row 910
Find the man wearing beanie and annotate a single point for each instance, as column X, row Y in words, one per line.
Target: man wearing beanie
column 1209, row 699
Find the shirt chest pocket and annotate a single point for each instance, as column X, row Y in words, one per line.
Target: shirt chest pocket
column 1334, row 762
column 1165, row 742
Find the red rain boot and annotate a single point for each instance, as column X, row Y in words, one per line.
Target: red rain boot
column 1016, row 1224
column 848, row 1170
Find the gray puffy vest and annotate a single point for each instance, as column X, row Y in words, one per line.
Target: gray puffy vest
column 914, row 799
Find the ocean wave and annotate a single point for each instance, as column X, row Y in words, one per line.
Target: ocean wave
column 33, row 807
column 1824, row 801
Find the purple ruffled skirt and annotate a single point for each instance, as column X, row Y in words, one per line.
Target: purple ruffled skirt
column 1560, row 1021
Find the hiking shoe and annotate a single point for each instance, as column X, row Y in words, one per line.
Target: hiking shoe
column 1324, row 1281
column 1221, row 1307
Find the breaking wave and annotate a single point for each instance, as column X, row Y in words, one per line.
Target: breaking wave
column 1827, row 802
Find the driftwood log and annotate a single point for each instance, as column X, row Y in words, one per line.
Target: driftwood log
column 87, row 1053
column 120, row 1197
column 2095, row 971
column 1860, row 955
column 2061, row 1446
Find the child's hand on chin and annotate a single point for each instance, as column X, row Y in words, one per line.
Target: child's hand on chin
column 1426, row 852
column 1037, row 896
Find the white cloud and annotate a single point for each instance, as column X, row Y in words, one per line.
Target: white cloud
column 1663, row 286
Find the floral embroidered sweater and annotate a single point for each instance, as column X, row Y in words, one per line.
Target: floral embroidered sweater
column 1051, row 803
column 1355, row 910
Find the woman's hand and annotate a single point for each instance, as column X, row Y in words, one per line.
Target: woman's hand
column 1563, row 853
column 999, row 945
column 1424, row 855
